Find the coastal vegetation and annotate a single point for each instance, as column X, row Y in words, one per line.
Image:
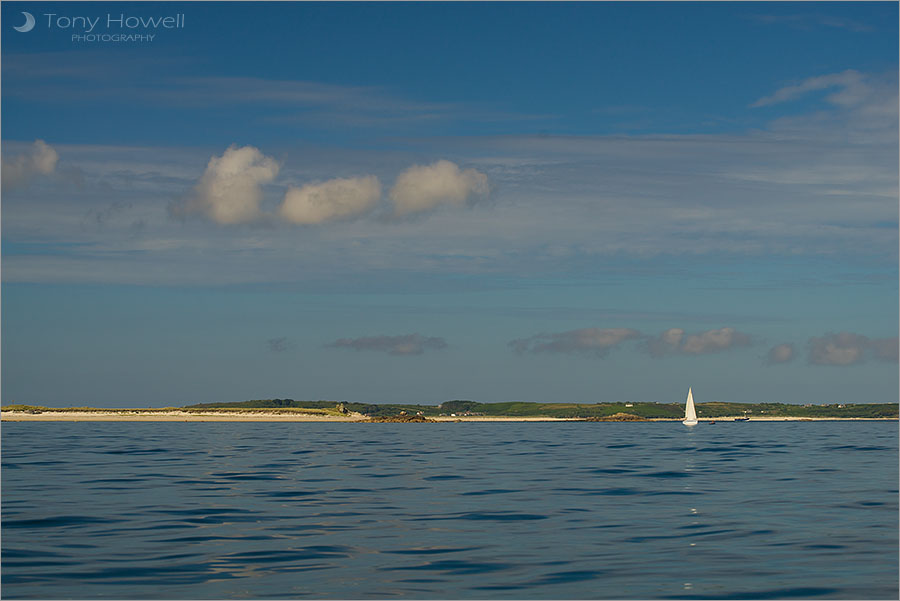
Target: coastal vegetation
column 645, row 410
column 611, row 411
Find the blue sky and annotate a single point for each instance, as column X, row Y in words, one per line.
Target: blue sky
column 424, row 201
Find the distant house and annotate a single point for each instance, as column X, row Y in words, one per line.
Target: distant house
column 629, row 404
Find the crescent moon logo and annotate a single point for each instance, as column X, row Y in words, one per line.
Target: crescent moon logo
column 29, row 23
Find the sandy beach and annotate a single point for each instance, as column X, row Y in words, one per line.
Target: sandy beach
column 179, row 416
column 172, row 416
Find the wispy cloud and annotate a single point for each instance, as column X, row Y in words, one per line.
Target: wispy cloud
column 594, row 341
column 848, row 348
column 21, row 169
column 813, row 20
column 319, row 103
column 850, row 82
column 406, row 344
column 57, row 75
column 310, row 102
column 861, row 109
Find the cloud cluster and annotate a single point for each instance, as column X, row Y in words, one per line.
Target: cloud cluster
column 800, row 189
column 780, row 353
column 599, row 341
column 19, row 171
column 594, row 341
column 844, row 348
column 407, row 344
column 676, row 341
column 330, row 200
column 230, row 190
column 424, row 187
column 847, row 348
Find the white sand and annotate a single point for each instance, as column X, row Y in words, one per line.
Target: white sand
column 173, row 416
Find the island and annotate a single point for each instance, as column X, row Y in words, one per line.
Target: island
column 289, row 410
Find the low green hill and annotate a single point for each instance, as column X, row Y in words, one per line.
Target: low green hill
column 575, row 410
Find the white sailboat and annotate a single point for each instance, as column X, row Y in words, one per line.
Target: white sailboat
column 690, row 413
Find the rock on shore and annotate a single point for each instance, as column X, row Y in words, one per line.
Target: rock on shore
column 399, row 419
column 618, row 417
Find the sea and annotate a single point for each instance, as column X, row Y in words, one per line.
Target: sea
column 546, row 510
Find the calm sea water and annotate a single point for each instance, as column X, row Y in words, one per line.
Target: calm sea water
column 460, row 510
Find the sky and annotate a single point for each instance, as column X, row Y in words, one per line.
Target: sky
column 418, row 202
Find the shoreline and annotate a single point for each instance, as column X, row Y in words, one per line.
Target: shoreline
column 171, row 416
column 183, row 416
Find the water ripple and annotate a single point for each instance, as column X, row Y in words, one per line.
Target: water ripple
column 549, row 510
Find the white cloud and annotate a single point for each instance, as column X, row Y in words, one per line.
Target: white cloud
column 674, row 340
column 229, row 191
column 423, row 187
column 333, row 199
column 596, row 341
column 39, row 159
column 780, row 353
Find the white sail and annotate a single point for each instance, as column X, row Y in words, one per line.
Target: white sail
column 690, row 413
